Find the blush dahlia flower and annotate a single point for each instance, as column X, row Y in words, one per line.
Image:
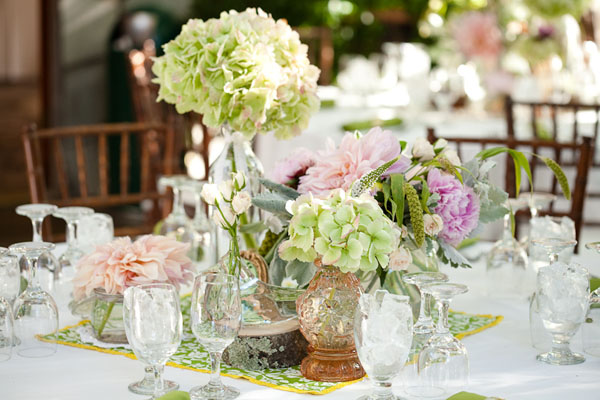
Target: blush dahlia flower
column 291, row 168
column 340, row 167
column 458, row 206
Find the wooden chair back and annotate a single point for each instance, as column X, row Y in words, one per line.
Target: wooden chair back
column 50, row 166
column 582, row 148
column 320, row 49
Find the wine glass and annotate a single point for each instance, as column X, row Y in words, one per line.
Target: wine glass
column 71, row 215
column 37, row 213
column 590, row 331
column 424, row 326
column 383, row 326
column 204, row 230
column 507, row 261
column 562, row 297
column 146, row 385
column 154, row 326
column 443, row 362
column 537, row 201
column 216, row 319
column 549, row 227
column 177, row 224
column 540, row 338
column 10, row 282
column 35, row 311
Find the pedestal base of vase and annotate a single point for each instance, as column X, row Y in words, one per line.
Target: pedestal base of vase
column 331, row 365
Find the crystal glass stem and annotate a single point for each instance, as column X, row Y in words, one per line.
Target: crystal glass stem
column 71, row 234
column 199, row 211
column 382, row 391
column 215, row 370
column 37, row 229
column 159, row 384
column 442, row 325
column 507, row 233
column 178, row 208
column 425, row 309
column 33, row 276
column 560, row 345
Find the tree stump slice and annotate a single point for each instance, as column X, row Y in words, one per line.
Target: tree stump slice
column 278, row 345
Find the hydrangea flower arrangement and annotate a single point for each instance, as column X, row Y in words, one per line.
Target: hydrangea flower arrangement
column 245, row 69
column 350, row 233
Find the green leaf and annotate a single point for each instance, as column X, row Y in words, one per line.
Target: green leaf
column 402, row 145
column 450, row 255
column 369, row 179
column 255, row 227
column 491, row 152
column 283, row 190
column 272, row 202
column 416, row 213
column 560, row 176
column 385, row 188
column 397, row 182
column 425, row 196
column 522, row 162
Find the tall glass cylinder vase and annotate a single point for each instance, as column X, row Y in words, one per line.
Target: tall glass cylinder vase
column 237, row 155
column 326, row 316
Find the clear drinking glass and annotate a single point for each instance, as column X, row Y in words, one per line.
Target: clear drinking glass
column 35, row 311
column 177, row 224
column 10, row 282
column 216, row 319
column 549, row 227
column 71, row 215
column 590, row 331
column 443, row 361
column 154, row 326
column 6, row 330
column 562, row 297
column 94, row 230
column 383, row 326
column 146, row 385
column 37, row 213
column 507, row 264
column 205, row 254
column 554, row 247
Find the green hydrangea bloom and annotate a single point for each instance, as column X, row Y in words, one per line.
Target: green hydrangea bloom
column 347, row 232
column 245, row 69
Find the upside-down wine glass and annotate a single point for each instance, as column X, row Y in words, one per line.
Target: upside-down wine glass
column 71, row 215
column 562, row 297
column 443, row 361
column 10, row 282
column 177, row 224
column 216, row 319
column 35, row 311
column 537, row 201
column 540, row 337
column 590, row 331
column 155, row 326
column 147, row 385
column 383, row 326
column 37, row 213
column 507, row 263
column 204, row 230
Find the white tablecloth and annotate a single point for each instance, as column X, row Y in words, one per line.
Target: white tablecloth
column 502, row 362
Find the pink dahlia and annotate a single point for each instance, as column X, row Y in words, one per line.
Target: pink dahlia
column 339, row 167
column 291, row 168
column 119, row 264
column 478, row 35
column 458, row 206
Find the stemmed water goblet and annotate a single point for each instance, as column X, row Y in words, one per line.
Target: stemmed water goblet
column 540, row 338
column 590, row 331
column 562, row 298
column 383, row 326
column 35, row 312
column 71, row 215
column 443, row 362
column 154, row 326
column 10, row 282
column 177, row 224
column 147, row 385
column 216, row 319
column 507, row 261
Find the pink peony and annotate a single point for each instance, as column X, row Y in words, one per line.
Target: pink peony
column 291, row 168
column 119, row 264
column 339, row 168
column 458, row 206
column 478, row 35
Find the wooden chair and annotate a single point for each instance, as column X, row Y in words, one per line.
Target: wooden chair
column 144, row 94
column 583, row 148
column 320, row 49
column 556, row 109
column 82, row 176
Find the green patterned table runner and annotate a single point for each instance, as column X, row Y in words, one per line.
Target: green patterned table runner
column 191, row 355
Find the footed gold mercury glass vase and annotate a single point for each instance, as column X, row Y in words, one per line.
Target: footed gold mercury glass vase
column 326, row 315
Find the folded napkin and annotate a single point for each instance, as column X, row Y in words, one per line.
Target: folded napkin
column 594, row 283
column 175, row 395
column 469, row 396
column 371, row 123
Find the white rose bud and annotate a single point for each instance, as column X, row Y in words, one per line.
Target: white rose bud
column 241, row 202
column 289, row 283
column 210, row 193
column 227, row 217
column 226, row 189
column 239, row 179
column 440, row 144
column 423, row 150
column 400, row 259
column 452, row 156
column 433, row 224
